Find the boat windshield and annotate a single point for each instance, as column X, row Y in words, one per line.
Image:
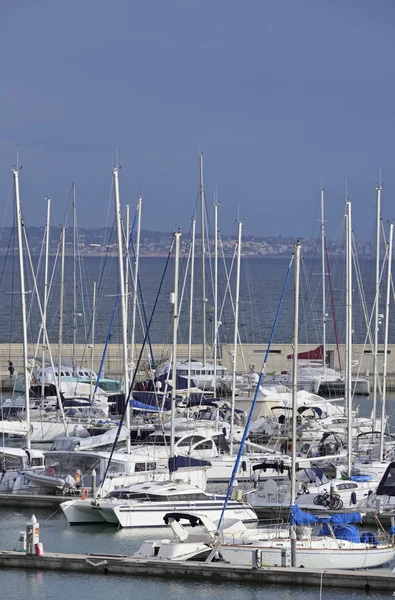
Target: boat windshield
column 8, row 461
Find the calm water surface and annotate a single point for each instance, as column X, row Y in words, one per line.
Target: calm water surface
column 57, row 536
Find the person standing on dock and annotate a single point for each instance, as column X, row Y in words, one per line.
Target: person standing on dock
column 11, row 368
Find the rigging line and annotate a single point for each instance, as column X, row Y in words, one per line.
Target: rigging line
column 129, row 392
column 331, row 295
column 227, row 287
column 98, row 304
column 249, row 419
column 108, row 338
column 7, row 253
column 363, row 304
column 30, row 262
column 48, row 297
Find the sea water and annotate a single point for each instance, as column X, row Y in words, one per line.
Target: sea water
column 57, row 536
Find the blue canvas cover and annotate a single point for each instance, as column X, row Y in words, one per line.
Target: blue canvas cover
column 343, row 532
column 186, row 462
column 300, row 517
column 137, row 405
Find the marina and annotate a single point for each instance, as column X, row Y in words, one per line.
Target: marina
column 197, row 334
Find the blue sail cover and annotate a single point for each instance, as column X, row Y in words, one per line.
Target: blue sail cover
column 186, row 462
column 300, row 517
column 349, row 533
column 137, row 405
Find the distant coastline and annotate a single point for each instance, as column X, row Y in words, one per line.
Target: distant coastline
column 154, row 244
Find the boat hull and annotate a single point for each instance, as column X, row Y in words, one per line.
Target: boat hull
column 333, row 556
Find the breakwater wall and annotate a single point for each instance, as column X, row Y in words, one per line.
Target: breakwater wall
column 249, row 357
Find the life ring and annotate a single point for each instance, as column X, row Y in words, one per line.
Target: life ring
column 84, row 494
column 77, row 478
column 51, row 472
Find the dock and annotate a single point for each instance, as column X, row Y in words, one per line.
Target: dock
column 111, row 564
column 32, row 500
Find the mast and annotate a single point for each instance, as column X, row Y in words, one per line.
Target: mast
column 203, row 217
column 20, row 224
column 136, row 275
column 92, row 340
column 215, row 295
column 174, row 300
column 387, row 315
column 127, row 241
column 45, row 292
column 191, row 303
column 74, row 281
column 376, row 308
column 60, row 343
column 295, row 373
column 323, row 282
column 348, row 389
column 236, row 332
column 115, row 173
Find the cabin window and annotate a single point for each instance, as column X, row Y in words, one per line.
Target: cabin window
column 36, row 462
column 346, row 486
column 139, row 467
column 206, row 445
column 67, row 373
column 192, row 439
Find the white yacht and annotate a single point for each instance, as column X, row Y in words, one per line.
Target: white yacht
column 145, row 504
column 340, row 545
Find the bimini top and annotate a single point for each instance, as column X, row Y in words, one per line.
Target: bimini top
column 386, row 486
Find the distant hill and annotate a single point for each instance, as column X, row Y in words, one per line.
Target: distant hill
column 96, row 241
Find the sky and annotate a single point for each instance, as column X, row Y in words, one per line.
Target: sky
column 281, row 96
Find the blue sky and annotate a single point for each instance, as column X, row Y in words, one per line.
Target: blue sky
column 278, row 94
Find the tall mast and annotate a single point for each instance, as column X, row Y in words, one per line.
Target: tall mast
column 74, row 281
column 191, row 303
column 215, row 341
column 60, row 343
column 203, row 218
column 376, row 307
column 348, row 387
column 136, row 275
column 236, row 335
column 387, row 316
column 295, row 373
column 115, row 173
column 323, row 281
column 20, row 224
column 127, row 257
column 45, row 291
column 174, row 298
column 93, row 339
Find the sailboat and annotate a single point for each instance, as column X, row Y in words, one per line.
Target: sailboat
column 338, row 543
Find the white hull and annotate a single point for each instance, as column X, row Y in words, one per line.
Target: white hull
column 334, row 554
column 81, row 512
column 146, row 514
column 152, row 515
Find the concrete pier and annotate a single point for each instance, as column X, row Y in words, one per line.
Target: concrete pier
column 368, row 581
column 32, row 500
